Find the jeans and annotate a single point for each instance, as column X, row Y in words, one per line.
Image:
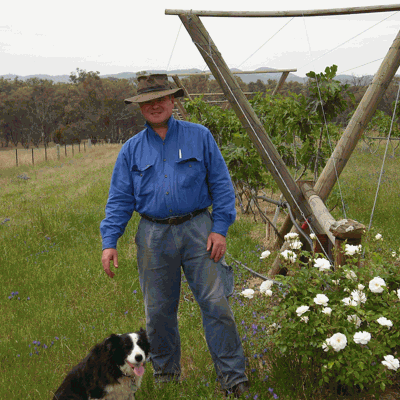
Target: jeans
column 161, row 252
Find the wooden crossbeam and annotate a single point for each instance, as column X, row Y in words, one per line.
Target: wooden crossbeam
column 296, row 13
column 272, row 71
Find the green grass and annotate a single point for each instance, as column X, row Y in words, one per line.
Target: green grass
column 50, row 253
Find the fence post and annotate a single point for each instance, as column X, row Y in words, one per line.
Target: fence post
column 79, row 147
column 16, row 156
column 89, row 143
column 65, row 149
column 72, row 149
column 45, row 151
column 58, row 151
column 84, row 147
column 33, row 161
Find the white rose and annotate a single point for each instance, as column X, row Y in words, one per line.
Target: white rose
column 376, row 285
column 265, row 254
column 289, row 255
column 266, row 285
column 327, row 310
column 355, row 319
column 384, row 322
column 295, row 245
column 268, row 292
column 313, row 236
column 378, row 237
column 325, row 345
column 362, row 337
column 322, row 264
column 358, row 296
column 301, row 310
column 350, row 274
column 248, row 293
column 360, row 287
column 338, row 341
column 304, row 319
column 391, row 362
column 321, row 300
column 291, row 236
column 350, row 250
column 349, row 301
column 398, row 293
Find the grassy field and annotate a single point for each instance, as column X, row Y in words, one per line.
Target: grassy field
column 57, row 302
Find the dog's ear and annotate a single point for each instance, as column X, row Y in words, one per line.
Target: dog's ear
column 112, row 341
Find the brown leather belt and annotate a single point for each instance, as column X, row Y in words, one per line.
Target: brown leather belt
column 174, row 220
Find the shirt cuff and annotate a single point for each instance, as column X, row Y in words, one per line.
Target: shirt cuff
column 109, row 243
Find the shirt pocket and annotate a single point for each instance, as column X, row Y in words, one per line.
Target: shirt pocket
column 189, row 171
column 143, row 179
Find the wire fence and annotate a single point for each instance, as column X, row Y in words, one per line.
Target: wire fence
column 19, row 157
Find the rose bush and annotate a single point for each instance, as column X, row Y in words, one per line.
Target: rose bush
column 355, row 342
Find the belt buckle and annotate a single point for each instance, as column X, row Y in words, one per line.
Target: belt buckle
column 171, row 220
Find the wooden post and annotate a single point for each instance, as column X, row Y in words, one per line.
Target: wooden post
column 180, row 84
column 355, row 128
column 248, row 118
column 319, row 209
column 58, row 151
column 45, row 151
column 33, row 161
column 181, row 109
column 359, row 121
column 280, row 83
column 16, row 156
column 349, row 231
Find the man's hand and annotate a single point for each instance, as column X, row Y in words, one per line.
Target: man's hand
column 217, row 243
column 108, row 255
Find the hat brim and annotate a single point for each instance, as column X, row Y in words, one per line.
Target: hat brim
column 141, row 98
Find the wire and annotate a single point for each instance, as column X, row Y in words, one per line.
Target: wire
column 173, row 48
column 330, row 51
column 384, row 158
column 342, row 72
column 266, row 42
column 326, row 126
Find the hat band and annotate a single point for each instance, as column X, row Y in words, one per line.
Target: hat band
column 154, row 89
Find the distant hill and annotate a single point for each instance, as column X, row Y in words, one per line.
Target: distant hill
column 246, row 78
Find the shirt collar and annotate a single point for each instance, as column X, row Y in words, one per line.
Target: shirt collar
column 171, row 125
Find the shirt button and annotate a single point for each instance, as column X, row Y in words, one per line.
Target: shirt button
column 170, row 210
column 165, row 159
column 190, row 165
column 141, row 174
column 167, row 193
column 165, row 175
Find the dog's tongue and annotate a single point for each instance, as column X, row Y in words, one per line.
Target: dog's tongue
column 139, row 371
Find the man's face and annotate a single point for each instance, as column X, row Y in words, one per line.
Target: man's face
column 157, row 111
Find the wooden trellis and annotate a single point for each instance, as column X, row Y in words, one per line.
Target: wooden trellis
column 305, row 202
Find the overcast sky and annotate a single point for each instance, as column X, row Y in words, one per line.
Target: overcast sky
column 55, row 38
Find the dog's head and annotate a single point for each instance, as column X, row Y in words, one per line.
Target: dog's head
column 129, row 351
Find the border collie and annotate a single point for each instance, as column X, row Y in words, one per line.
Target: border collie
column 112, row 370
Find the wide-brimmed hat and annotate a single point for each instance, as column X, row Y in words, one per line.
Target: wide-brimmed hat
column 152, row 87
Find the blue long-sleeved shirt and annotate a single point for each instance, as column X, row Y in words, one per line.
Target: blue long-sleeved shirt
column 171, row 177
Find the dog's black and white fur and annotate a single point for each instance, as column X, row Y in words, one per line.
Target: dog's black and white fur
column 113, row 369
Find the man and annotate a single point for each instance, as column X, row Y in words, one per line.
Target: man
column 170, row 173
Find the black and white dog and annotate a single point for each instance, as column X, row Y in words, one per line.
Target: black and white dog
column 112, row 370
